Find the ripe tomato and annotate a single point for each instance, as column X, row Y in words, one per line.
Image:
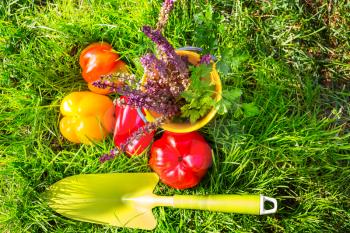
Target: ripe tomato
column 180, row 159
column 127, row 122
column 99, row 59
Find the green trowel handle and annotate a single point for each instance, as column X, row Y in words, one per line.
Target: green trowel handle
column 241, row 204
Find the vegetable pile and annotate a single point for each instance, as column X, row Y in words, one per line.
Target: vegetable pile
column 180, row 88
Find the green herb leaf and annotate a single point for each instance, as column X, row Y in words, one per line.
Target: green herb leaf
column 238, row 59
column 223, row 106
column 199, row 95
column 238, row 113
column 250, row 109
column 233, row 94
column 188, row 95
column 232, row 59
column 197, row 75
column 223, row 67
column 229, row 99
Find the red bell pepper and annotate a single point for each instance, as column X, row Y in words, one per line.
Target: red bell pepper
column 127, row 122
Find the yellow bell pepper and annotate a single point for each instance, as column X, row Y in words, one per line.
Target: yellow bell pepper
column 87, row 117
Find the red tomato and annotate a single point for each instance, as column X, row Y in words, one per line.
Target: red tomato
column 180, row 159
column 127, row 122
column 99, row 59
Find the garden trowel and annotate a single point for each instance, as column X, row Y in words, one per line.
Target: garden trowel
column 127, row 199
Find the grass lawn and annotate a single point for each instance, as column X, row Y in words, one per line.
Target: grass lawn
column 291, row 58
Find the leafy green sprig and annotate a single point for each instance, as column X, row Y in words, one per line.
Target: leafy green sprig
column 199, row 97
column 231, row 101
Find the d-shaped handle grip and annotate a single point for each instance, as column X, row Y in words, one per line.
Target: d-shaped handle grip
column 241, row 204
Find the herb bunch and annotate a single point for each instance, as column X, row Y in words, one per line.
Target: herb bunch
column 170, row 87
column 167, row 75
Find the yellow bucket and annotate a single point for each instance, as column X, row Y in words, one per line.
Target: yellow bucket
column 194, row 59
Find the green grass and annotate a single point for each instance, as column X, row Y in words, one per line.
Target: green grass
column 289, row 57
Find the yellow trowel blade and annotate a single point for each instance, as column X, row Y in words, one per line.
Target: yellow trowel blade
column 100, row 198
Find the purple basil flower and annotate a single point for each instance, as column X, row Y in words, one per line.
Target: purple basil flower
column 151, row 65
column 110, row 81
column 153, row 101
column 166, row 50
column 111, row 155
column 104, row 84
column 164, row 47
column 177, row 70
column 205, row 59
column 167, row 6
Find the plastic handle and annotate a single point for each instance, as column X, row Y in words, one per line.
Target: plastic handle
column 190, row 48
column 241, row 204
column 264, row 199
column 195, row 49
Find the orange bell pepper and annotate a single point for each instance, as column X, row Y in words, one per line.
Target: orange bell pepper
column 87, row 117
